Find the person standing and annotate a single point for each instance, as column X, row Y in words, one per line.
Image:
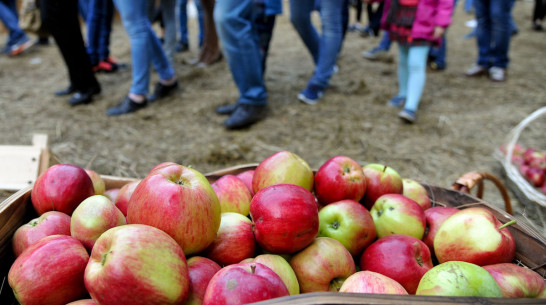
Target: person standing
column 100, row 15
column 184, row 43
column 493, row 34
column 18, row 41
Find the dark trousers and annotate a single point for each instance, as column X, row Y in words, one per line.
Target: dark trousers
column 540, row 10
column 60, row 17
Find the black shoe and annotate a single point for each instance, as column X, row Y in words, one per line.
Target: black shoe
column 83, row 97
column 226, row 109
column 66, row 91
column 182, row 47
column 162, row 91
column 126, row 106
column 245, row 115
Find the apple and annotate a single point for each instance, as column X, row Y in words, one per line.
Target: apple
column 50, row 271
column 94, row 216
column 285, row 218
column 371, row 282
column 535, row 176
column 137, row 264
column 234, row 240
column 161, row 166
column 281, row 168
column 180, row 201
column 282, row 268
column 123, row 196
column 83, row 302
column 476, row 236
column 380, row 180
column 200, row 271
column 543, row 188
column 435, row 216
column 417, row 192
column 247, row 177
column 350, row 223
column 516, row 281
column 98, row 183
column 457, row 278
column 61, row 188
column 233, row 194
column 402, row 258
column 112, row 194
column 49, row 223
column 397, row 214
column 339, row 178
column 323, row 265
column 244, row 283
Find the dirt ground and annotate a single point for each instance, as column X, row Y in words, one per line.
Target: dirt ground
column 461, row 121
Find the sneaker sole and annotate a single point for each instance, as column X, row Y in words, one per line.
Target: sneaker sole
column 306, row 100
column 25, row 46
column 406, row 117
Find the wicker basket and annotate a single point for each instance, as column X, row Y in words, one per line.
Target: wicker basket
column 531, row 246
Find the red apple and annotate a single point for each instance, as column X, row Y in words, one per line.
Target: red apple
column 98, row 183
column 50, row 223
column 350, row 223
column 281, row 168
column 380, row 180
column 244, row 283
column 94, row 216
column 83, row 302
column 137, row 264
column 371, row 282
column 247, row 177
column 516, row 281
column 476, row 236
column 234, row 240
column 50, row 271
column 339, row 178
column 416, row 192
column 282, row 268
column 112, row 194
column 397, row 214
column 402, row 258
column 434, row 218
column 322, row 266
column 200, row 271
column 124, row 194
column 233, row 194
column 285, row 218
column 61, row 188
column 535, row 176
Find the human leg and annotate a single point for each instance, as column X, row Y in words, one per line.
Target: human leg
column 403, row 70
column 183, row 43
column 500, row 32
column 417, row 59
column 483, row 32
column 210, row 52
column 264, row 27
column 8, row 16
column 200, row 21
column 169, row 21
column 300, row 17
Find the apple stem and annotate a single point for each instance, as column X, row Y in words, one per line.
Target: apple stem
column 511, row 222
column 385, row 168
column 253, row 268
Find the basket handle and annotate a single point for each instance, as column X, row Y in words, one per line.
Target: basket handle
column 469, row 180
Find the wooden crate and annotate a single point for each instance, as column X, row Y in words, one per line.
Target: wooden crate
column 531, row 247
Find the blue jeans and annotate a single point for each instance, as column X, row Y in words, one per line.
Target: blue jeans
column 493, row 32
column 324, row 48
column 385, row 42
column 99, row 27
column 168, row 16
column 240, row 41
column 83, row 8
column 145, row 46
column 9, row 17
column 183, row 21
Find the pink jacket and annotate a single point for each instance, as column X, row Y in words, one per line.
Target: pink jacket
column 430, row 13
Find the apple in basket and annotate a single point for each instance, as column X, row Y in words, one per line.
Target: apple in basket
column 285, row 218
column 61, row 188
column 123, row 196
column 517, row 281
column 435, row 216
column 417, row 192
column 83, row 302
column 323, row 265
column 247, row 177
column 234, row 240
column 50, row 271
column 380, row 180
column 400, row 257
column 476, row 236
column 456, row 278
column 350, row 223
column 339, row 178
column 49, row 223
column 98, row 183
column 94, row 216
column 244, row 283
column 282, row 268
column 397, row 214
column 200, row 271
column 371, row 282
column 280, row 168
column 148, row 262
column 180, row 201
column 233, row 194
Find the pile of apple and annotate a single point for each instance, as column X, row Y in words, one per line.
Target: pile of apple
column 278, row 230
column 531, row 163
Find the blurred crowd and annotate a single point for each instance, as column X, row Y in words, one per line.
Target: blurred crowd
column 240, row 32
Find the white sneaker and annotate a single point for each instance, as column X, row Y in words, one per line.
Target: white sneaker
column 497, row 74
column 476, row 70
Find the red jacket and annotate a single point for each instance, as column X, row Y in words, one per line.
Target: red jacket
column 430, row 14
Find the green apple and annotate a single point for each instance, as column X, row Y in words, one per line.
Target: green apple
column 417, row 192
column 456, row 278
column 283, row 167
column 397, row 214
